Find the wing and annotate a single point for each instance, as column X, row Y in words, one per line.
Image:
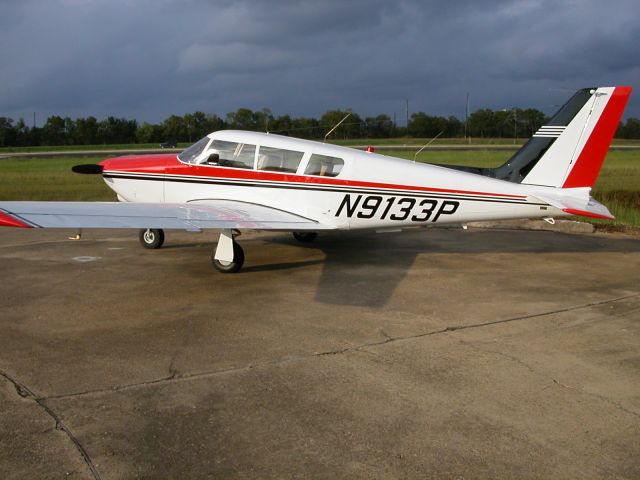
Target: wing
column 218, row 214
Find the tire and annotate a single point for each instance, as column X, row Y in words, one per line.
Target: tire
column 151, row 238
column 230, row 267
column 305, row 237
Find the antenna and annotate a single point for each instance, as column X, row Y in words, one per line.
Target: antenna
column 426, row 145
column 337, row 125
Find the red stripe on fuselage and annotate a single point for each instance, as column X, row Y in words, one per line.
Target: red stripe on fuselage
column 170, row 165
column 587, row 167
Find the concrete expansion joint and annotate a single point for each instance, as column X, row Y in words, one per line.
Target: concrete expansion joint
column 25, row 392
column 555, row 381
column 175, row 376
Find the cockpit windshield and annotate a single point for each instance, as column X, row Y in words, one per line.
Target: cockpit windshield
column 190, row 154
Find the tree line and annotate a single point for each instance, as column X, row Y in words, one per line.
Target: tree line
column 483, row 123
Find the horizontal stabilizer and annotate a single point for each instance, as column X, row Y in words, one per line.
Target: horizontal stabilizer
column 584, row 205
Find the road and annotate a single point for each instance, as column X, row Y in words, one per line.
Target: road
column 426, row 354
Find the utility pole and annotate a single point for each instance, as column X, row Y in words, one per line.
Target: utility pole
column 407, row 100
column 466, row 119
column 34, row 119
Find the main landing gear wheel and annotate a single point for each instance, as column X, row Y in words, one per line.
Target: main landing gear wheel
column 305, row 237
column 151, row 238
column 230, row 267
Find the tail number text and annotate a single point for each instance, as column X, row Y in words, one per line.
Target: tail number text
column 396, row 208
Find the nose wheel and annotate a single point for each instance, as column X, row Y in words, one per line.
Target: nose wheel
column 233, row 266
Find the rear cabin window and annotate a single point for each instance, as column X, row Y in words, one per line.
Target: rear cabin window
column 231, row 154
column 279, row 160
column 324, row 166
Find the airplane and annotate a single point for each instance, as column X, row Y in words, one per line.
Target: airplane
column 235, row 181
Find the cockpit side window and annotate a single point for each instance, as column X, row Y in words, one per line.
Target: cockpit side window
column 324, row 166
column 279, row 160
column 190, row 154
column 230, row 154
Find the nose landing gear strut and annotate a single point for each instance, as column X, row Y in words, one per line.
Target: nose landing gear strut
column 228, row 257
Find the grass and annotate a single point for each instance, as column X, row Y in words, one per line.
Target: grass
column 618, row 185
column 50, row 179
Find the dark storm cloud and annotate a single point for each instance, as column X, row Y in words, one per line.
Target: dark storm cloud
column 147, row 59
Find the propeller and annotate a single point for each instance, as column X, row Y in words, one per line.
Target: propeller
column 89, row 168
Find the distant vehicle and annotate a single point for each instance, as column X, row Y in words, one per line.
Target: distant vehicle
column 235, row 180
column 169, row 144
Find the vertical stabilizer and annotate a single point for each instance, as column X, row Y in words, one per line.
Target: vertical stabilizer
column 576, row 150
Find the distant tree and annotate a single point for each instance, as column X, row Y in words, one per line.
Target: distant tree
column 305, row 127
column 282, row 125
column 174, row 128
column 242, row 119
column 54, row 131
column 503, row 121
column 380, row 126
column 629, row 129
column 21, row 133
column 454, row 127
column 352, row 127
column 86, row 131
column 7, row 132
column 192, row 126
column 263, row 120
column 529, row 121
column 423, row 125
column 149, row 133
column 34, row 137
column 116, row 131
column 69, row 129
column 632, row 128
column 213, row 123
column 196, row 125
column 482, row 123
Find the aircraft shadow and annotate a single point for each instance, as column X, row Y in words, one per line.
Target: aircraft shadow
column 364, row 269
column 280, row 266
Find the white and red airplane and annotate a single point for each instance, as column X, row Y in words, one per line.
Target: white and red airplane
column 237, row 180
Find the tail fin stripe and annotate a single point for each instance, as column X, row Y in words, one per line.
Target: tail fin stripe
column 586, row 168
column 549, row 131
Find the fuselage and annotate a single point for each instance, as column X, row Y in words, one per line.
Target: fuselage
column 337, row 186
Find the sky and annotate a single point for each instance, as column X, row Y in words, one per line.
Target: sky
column 148, row 59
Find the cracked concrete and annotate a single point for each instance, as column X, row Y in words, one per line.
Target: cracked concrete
column 24, row 392
column 426, row 354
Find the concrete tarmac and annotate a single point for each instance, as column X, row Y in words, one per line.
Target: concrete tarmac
column 424, row 354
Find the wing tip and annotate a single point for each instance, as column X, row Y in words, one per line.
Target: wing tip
column 7, row 220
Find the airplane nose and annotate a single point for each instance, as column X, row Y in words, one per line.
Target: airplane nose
column 90, row 168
